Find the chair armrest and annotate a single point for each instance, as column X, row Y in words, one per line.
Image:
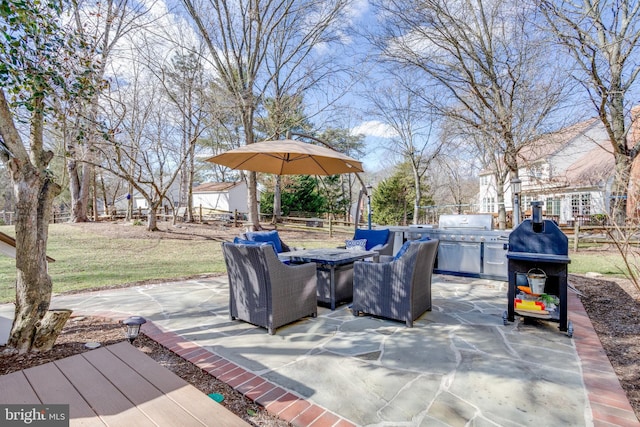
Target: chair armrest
column 386, row 249
column 289, row 273
column 385, row 258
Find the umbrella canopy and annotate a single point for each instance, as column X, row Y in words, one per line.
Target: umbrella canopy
column 288, row 157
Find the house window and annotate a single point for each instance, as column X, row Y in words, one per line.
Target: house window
column 488, row 204
column 535, row 171
column 553, row 206
column 585, row 202
column 526, row 201
column 581, row 204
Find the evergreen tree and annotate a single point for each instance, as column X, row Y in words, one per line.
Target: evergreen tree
column 392, row 200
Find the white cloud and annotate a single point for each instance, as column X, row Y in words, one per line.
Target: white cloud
column 358, row 9
column 374, row 128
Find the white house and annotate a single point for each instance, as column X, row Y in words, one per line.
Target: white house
column 221, row 196
column 571, row 171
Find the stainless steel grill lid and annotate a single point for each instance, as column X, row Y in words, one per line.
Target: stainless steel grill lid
column 465, row 222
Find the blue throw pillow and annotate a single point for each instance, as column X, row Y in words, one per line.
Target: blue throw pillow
column 373, row 237
column 402, row 250
column 404, row 247
column 266, row 236
column 356, row 244
column 239, row 241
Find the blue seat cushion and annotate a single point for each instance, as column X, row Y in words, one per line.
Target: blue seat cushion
column 373, row 237
column 266, row 236
column 239, row 241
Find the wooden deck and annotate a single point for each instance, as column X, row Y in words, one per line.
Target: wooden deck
column 116, row 385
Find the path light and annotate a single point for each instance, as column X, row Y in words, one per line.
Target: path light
column 133, row 326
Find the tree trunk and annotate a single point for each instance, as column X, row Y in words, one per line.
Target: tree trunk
column 79, row 183
column 619, row 189
column 277, row 199
column 105, row 200
column 33, row 283
column 152, row 221
column 254, row 216
column 94, row 194
column 129, row 214
column 418, row 189
column 48, row 329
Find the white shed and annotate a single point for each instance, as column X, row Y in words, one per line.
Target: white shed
column 221, row 196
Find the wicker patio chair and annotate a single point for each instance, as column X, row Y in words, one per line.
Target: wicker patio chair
column 379, row 240
column 399, row 288
column 265, row 292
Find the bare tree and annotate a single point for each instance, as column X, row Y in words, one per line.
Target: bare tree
column 453, row 177
column 238, row 36
column 222, row 130
column 399, row 107
column 487, row 68
column 183, row 78
column 186, row 90
column 603, row 38
column 145, row 150
column 105, row 23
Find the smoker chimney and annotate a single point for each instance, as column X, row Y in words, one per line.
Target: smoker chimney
column 536, row 217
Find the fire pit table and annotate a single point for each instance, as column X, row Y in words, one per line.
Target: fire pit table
column 334, row 268
column 538, row 246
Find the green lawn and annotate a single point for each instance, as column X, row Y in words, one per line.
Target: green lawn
column 87, row 260
column 607, row 263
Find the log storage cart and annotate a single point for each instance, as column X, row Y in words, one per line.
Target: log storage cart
column 538, row 258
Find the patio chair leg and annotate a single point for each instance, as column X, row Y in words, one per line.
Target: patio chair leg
column 271, row 331
column 409, row 323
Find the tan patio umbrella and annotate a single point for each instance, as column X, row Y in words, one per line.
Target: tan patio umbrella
column 288, row 157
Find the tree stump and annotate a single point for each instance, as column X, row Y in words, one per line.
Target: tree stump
column 49, row 328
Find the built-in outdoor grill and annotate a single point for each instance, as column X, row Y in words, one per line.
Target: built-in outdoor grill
column 538, row 258
column 468, row 246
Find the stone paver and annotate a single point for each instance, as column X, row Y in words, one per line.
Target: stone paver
column 458, row 365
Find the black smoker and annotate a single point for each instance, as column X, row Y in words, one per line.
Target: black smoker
column 535, row 245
